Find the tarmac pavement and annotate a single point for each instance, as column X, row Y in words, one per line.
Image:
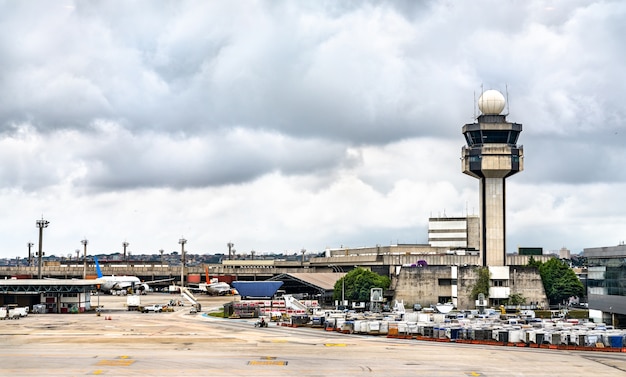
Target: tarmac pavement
column 182, row 344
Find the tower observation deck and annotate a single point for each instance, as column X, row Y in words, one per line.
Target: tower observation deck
column 492, row 155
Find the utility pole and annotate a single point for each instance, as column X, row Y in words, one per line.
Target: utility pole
column 230, row 250
column 182, row 243
column 41, row 224
column 30, row 254
column 84, row 242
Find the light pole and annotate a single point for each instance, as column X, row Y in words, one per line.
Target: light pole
column 41, row 224
column 84, row 242
column 303, row 251
column 161, row 251
column 343, row 282
column 182, row 243
column 125, row 245
column 30, row 254
column 230, row 250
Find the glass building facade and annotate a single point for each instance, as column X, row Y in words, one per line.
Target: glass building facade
column 606, row 282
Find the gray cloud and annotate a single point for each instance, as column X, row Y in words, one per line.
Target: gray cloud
column 332, row 103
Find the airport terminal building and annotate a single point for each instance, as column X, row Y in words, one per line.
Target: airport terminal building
column 606, row 279
column 58, row 295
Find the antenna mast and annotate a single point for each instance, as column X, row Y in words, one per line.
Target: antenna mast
column 506, row 87
column 474, row 105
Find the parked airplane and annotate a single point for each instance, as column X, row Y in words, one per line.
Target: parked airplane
column 213, row 286
column 216, row 288
column 113, row 283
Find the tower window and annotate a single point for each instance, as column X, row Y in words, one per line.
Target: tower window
column 513, row 135
column 501, row 137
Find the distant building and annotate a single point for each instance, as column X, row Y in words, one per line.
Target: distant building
column 445, row 269
column 565, row 253
column 454, row 232
column 606, row 284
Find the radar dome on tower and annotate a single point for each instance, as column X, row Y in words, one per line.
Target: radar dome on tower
column 491, row 102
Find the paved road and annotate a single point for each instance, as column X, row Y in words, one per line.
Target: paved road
column 182, row 344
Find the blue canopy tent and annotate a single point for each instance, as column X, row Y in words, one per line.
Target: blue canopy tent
column 259, row 289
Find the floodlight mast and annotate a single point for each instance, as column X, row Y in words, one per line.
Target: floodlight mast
column 84, row 242
column 182, row 243
column 30, row 254
column 230, row 250
column 40, row 224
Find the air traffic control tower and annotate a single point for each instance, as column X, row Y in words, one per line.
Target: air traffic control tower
column 492, row 155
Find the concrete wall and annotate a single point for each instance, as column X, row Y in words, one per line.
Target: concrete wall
column 422, row 285
column 527, row 281
column 473, row 232
column 492, row 195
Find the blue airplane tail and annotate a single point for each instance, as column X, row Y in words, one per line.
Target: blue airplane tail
column 98, row 270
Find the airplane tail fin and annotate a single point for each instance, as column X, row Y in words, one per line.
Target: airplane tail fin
column 98, row 270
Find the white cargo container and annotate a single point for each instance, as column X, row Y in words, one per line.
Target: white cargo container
column 22, row 312
column 14, row 314
column 133, row 302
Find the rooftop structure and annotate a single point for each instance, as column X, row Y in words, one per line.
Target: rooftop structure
column 456, row 233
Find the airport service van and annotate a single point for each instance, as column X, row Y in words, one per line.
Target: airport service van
column 13, row 312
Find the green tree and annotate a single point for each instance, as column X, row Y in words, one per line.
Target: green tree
column 559, row 281
column 482, row 283
column 534, row 263
column 517, row 299
column 357, row 284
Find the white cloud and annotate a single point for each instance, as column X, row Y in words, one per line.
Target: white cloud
column 301, row 125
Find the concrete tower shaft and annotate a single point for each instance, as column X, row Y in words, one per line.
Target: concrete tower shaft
column 492, row 155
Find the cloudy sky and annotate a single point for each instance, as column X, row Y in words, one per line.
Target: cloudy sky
column 282, row 125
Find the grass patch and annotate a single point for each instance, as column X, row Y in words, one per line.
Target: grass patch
column 219, row 313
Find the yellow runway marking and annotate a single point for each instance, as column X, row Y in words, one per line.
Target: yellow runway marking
column 115, row 363
column 335, row 344
column 267, row 362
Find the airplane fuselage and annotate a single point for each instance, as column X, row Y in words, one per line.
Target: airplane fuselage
column 111, row 283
